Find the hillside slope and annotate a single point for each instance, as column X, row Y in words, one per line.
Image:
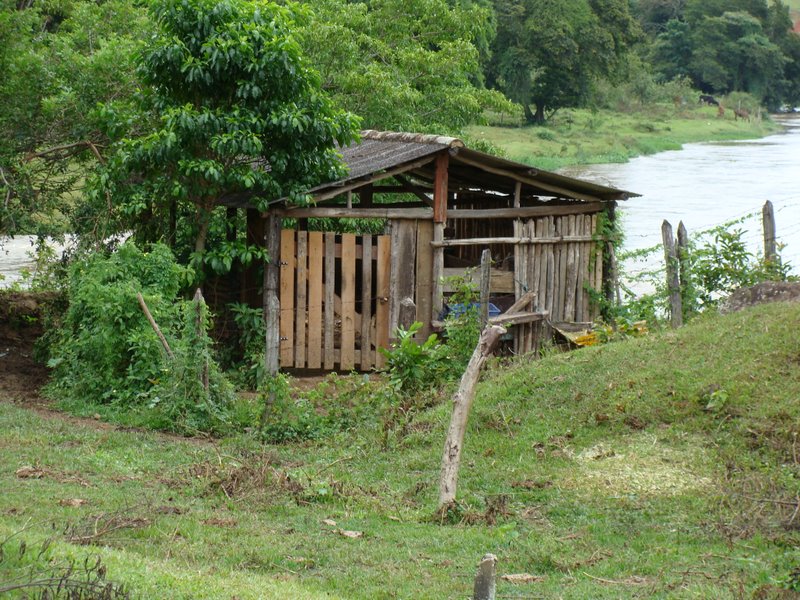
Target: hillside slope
column 666, row 466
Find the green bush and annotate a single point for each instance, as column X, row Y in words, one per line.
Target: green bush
column 106, row 352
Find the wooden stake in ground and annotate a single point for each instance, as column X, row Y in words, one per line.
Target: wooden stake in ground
column 462, row 403
column 768, row 222
column 485, row 585
column 673, row 281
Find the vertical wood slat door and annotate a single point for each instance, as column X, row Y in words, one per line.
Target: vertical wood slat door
column 334, row 300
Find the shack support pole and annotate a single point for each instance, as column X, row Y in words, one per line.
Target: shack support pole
column 272, row 306
column 486, row 272
column 440, row 186
column 673, row 280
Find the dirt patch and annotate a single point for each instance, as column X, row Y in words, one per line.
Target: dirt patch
column 21, row 377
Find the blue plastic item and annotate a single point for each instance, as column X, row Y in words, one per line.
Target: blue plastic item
column 457, row 309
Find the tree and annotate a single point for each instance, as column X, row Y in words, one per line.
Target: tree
column 235, row 109
column 732, row 53
column 404, row 65
column 549, row 55
column 58, row 60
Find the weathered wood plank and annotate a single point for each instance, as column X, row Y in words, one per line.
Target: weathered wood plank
column 550, row 280
column 329, row 317
column 502, row 282
column 520, row 240
column 383, row 268
column 525, row 212
column 571, row 281
column 424, row 283
column 314, row 354
column 287, row 298
column 301, row 293
column 348, row 283
column 366, row 361
column 401, row 287
column 598, row 268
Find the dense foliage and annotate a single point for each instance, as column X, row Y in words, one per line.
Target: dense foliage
column 108, row 354
column 550, row 55
column 235, row 110
column 745, row 46
column 58, row 60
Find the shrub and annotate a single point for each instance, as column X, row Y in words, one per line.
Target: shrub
column 106, row 352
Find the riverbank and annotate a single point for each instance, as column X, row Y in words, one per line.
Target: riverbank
column 584, row 137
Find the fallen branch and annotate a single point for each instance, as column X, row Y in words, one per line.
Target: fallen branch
column 154, row 325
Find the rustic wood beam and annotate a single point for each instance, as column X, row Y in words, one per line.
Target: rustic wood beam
column 440, row 188
column 336, row 212
column 544, row 210
column 413, row 189
column 529, row 180
column 319, row 196
column 513, row 240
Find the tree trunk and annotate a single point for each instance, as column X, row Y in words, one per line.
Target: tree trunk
column 536, row 118
column 530, row 118
column 203, row 221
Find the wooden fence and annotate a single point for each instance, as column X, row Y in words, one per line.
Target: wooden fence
column 676, row 258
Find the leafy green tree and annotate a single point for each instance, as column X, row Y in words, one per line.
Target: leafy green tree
column 731, row 52
column 672, row 51
column 235, row 109
column 58, row 60
column 404, row 65
column 550, row 55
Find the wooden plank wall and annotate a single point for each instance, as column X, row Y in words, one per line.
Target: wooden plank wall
column 560, row 271
column 334, row 294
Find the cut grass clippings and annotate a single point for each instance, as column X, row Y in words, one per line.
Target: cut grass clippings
column 600, row 473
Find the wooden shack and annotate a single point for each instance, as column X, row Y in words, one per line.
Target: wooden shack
column 336, row 298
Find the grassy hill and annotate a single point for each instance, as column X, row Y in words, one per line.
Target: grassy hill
column 665, row 466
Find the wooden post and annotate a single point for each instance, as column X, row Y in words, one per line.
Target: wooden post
column 485, row 587
column 610, row 276
column 486, row 273
column 768, row 218
column 440, row 186
column 272, row 306
column 684, row 275
column 673, row 282
column 462, row 403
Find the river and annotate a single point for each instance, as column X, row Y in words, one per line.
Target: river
column 703, row 185
column 709, row 184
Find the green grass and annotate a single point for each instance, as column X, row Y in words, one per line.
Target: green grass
column 575, row 137
column 605, row 471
